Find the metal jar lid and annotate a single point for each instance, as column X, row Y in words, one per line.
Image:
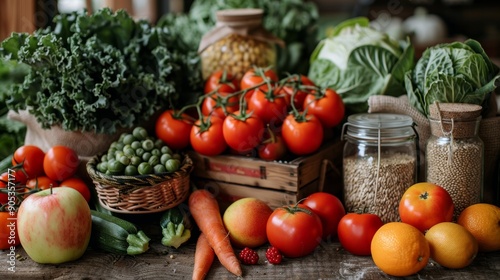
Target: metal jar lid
column 373, row 126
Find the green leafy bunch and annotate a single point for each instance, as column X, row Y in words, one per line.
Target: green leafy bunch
column 458, row 72
column 98, row 72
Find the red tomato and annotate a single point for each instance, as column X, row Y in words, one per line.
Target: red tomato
column 294, row 230
column 219, row 105
column 302, row 135
column 174, row 130
column 60, row 163
column 256, row 76
column 222, row 82
column 243, row 131
column 329, row 209
column 269, row 107
column 424, row 205
column 272, row 147
column 4, row 183
column 41, row 183
column 79, row 185
column 8, row 231
column 207, row 138
column 31, row 158
column 327, row 106
column 298, row 89
column 8, row 184
column 355, row 232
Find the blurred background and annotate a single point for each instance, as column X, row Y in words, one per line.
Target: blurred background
column 427, row 21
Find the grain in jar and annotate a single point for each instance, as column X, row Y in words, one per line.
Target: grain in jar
column 455, row 153
column 380, row 161
column 237, row 43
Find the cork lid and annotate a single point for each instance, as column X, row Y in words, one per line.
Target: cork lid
column 240, row 17
column 457, row 111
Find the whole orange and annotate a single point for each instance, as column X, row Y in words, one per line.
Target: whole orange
column 483, row 221
column 452, row 245
column 246, row 220
column 400, row 249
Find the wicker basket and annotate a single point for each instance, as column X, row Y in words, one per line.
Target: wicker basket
column 141, row 194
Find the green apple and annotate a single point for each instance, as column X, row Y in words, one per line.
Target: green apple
column 54, row 225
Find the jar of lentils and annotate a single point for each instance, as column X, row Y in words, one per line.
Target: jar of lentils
column 455, row 153
column 237, row 43
column 380, row 161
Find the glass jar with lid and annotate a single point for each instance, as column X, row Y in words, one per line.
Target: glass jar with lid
column 380, row 161
column 454, row 155
column 237, row 43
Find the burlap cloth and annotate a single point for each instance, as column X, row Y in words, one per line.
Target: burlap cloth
column 489, row 132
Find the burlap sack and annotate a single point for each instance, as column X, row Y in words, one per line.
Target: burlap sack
column 489, row 132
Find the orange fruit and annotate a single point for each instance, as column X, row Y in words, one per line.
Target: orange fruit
column 483, row 221
column 400, row 249
column 452, row 245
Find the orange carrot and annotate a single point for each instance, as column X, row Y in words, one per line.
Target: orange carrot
column 206, row 213
column 203, row 258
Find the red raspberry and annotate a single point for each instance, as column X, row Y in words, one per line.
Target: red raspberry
column 249, row 256
column 273, row 255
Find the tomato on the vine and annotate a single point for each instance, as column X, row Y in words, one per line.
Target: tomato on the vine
column 327, row 106
column 426, row 204
column 298, row 89
column 31, row 159
column 222, row 82
column 356, row 231
column 207, row 138
column 174, row 129
column 243, row 131
column 272, row 147
column 303, row 134
column 41, row 183
column 4, row 183
column 330, row 210
column 60, row 163
column 270, row 107
column 294, row 230
column 220, row 105
column 79, row 185
column 8, row 232
column 254, row 77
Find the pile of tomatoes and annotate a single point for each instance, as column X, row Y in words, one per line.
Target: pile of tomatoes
column 34, row 170
column 259, row 115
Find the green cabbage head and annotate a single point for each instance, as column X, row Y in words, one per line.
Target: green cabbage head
column 359, row 61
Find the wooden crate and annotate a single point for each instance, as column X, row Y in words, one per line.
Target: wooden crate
column 277, row 182
column 286, row 175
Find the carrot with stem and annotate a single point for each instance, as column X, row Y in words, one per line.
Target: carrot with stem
column 206, row 213
column 203, row 258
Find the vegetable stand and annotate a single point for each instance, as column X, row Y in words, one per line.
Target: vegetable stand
column 328, row 261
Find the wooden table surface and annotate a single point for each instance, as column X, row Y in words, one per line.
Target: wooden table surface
column 328, row 261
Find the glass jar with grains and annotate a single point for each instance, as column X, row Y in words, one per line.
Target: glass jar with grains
column 237, row 43
column 454, row 152
column 380, row 162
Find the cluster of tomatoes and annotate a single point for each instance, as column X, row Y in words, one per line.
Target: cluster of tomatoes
column 34, row 170
column 258, row 114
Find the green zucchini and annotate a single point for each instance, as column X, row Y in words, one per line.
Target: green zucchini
column 6, row 163
column 116, row 235
column 176, row 227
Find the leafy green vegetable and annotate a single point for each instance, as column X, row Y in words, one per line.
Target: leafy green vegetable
column 453, row 73
column 293, row 21
column 359, row 61
column 99, row 72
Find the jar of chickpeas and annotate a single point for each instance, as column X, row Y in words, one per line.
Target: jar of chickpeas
column 237, row 43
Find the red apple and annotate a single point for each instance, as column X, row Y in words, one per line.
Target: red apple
column 425, row 204
column 246, row 220
column 54, row 225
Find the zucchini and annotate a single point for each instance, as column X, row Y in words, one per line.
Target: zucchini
column 175, row 227
column 116, row 235
column 6, row 163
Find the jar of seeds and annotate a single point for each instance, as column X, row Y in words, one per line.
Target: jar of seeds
column 237, row 43
column 455, row 153
column 380, row 162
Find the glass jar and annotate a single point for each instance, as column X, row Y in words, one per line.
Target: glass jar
column 380, row 161
column 455, row 153
column 237, row 43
